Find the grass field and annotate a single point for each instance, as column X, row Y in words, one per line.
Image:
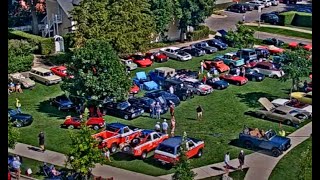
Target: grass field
column 223, row 113
column 284, row 32
column 282, row 170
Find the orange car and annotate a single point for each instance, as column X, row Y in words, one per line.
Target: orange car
column 219, row 65
column 307, row 47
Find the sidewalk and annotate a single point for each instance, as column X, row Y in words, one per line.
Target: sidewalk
column 260, row 164
column 280, row 27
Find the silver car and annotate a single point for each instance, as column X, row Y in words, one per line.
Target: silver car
column 129, row 64
column 23, row 79
column 176, row 53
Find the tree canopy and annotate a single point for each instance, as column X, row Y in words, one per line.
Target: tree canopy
column 128, row 25
column 97, row 71
column 242, row 37
column 163, row 12
column 13, row 135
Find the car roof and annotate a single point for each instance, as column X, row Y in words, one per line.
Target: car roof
column 173, row 141
column 61, row 67
column 284, row 109
column 265, row 63
column 247, row 50
column 147, row 132
column 165, row 69
column 40, row 69
column 116, row 125
column 229, row 54
column 171, row 47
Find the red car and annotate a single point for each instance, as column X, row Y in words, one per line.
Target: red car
column 141, row 60
column 157, row 57
column 219, row 65
column 61, row 71
column 294, row 45
column 234, row 79
column 74, row 122
column 273, row 49
column 134, row 89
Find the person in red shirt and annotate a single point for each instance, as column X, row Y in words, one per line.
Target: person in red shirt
column 204, row 79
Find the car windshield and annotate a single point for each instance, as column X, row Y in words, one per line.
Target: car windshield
column 182, row 53
column 204, row 45
column 48, row 74
column 123, row 105
column 138, row 57
column 12, row 112
column 197, row 83
column 270, row 134
column 148, row 101
column 162, row 101
column 129, row 62
column 166, row 149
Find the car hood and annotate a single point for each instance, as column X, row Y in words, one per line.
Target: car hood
column 22, row 116
column 266, row 103
column 205, row 87
column 53, row 77
column 66, row 102
column 28, row 81
column 279, row 139
column 308, row 108
column 221, row 82
column 297, row 94
column 238, row 78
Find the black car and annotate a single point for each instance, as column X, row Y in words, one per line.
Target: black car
column 251, row 75
column 193, row 51
column 145, row 103
column 63, row 103
column 269, row 18
column 19, row 119
column 188, row 73
column 166, row 95
column 122, row 109
column 262, row 53
column 237, row 8
column 183, row 92
column 205, row 46
column 248, row 7
column 273, row 41
column 218, row 44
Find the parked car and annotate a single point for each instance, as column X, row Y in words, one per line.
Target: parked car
column 95, row 123
column 122, row 110
column 251, row 75
column 134, row 89
column 273, row 41
column 183, row 92
column 234, row 79
column 282, row 114
column 166, row 95
column 247, row 6
column 262, row 53
column 247, row 54
column 44, row 75
column 273, row 49
column 205, row 46
column 268, row 69
column 129, row 64
column 269, row 18
column 176, row 53
column 145, row 103
column 202, row 89
column 270, row 141
column 193, row 51
column 230, row 59
column 251, row 63
column 117, row 135
column 217, row 83
column 168, row 151
column 218, row 44
column 140, row 78
column 219, row 65
column 267, row 3
column 294, row 45
column 141, row 60
column 157, row 57
column 159, row 74
column 147, row 141
column 294, row 104
column 274, row 2
column 19, row 119
column 257, row 4
column 23, row 79
column 239, row 8
column 61, row 71
column 63, row 103
column 187, row 73
column 302, row 97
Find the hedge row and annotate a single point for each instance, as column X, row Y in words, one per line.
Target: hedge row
column 295, row 18
column 201, row 32
column 45, row 45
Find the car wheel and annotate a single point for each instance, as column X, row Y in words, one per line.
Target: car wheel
column 262, row 116
column 199, row 154
column 276, row 152
column 144, row 155
column 47, row 83
column 219, row 87
column 135, row 141
column 238, row 84
column 198, row 93
column 126, row 117
column 18, row 124
column 70, row 127
column 184, row 98
column 96, row 127
column 275, row 77
column 288, row 122
column 126, row 148
column 113, row 148
column 248, row 145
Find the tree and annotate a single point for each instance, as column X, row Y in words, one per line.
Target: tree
column 127, row 25
column 13, row 135
column 295, row 66
column 305, row 170
column 182, row 169
column 242, row 37
column 97, row 71
column 84, row 153
column 192, row 13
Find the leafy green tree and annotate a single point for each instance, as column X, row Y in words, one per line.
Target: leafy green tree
column 192, row 13
column 127, row 25
column 295, row 66
column 182, row 169
column 97, row 71
column 242, row 37
column 305, row 170
column 84, row 152
column 13, row 135
column 163, row 12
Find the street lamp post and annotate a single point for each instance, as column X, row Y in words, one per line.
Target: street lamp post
column 259, row 14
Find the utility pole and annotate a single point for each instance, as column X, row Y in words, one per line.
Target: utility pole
column 259, row 14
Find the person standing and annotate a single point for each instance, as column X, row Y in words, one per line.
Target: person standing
column 226, row 162
column 173, row 125
column 172, row 109
column 152, row 110
column 204, row 79
column 238, row 71
column 199, row 112
column 202, row 66
column 157, row 127
column 305, row 86
column 243, row 72
column 171, row 90
column 158, row 110
column 165, row 127
column 41, row 141
column 18, row 105
column 241, row 160
column 16, row 166
column 18, row 88
column 106, row 153
column 243, row 17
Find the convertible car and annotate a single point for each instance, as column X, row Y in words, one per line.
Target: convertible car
column 19, row 119
column 122, row 109
column 295, row 104
column 217, row 83
column 63, row 103
column 234, row 79
column 302, row 97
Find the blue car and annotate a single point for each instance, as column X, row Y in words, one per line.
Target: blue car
column 262, row 53
column 217, row 83
column 145, row 103
column 251, row 75
column 19, row 119
column 63, row 103
column 167, row 96
column 218, row 44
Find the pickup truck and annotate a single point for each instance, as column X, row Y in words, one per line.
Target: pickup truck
column 230, row 59
column 270, row 141
column 117, row 134
column 148, row 141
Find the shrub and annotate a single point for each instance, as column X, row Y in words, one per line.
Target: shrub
column 286, row 18
column 68, row 41
column 201, row 32
column 19, row 56
column 302, row 19
column 60, row 58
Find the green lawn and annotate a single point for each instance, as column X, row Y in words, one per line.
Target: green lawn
column 284, row 32
column 288, row 167
column 235, row 175
column 223, row 113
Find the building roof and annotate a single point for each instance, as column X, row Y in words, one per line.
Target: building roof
column 68, row 5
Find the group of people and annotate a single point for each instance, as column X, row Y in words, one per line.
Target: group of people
column 155, row 110
column 14, row 88
column 241, row 158
column 303, row 86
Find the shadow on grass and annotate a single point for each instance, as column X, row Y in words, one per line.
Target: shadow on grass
column 239, row 144
column 286, row 90
column 251, row 99
column 52, row 111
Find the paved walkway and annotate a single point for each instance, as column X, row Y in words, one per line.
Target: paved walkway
column 280, row 27
column 260, row 163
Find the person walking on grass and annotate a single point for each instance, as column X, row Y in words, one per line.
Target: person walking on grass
column 241, row 159
column 152, row 110
column 158, row 110
column 165, row 127
column 157, row 127
column 202, row 66
column 171, row 108
column 18, row 105
column 226, row 162
column 199, row 112
column 173, row 126
column 41, row 141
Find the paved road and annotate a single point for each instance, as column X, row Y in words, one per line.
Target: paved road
column 264, row 35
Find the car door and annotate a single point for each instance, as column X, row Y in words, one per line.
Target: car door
column 278, row 115
column 156, row 142
column 192, row 151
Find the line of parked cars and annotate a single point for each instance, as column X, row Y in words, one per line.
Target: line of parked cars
column 252, row 5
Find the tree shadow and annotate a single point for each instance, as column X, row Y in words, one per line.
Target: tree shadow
column 237, row 143
column 119, row 156
column 191, row 118
column 52, row 111
column 286, row 90
column 251, row 99
column 150, row 160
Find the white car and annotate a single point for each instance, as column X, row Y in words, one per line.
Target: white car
column 267, row 3
column 202, row 89
column 129, row 64
column 268, row 69
column 274, row 2
column 176, row 53
column 294, row 104
column 257, row 4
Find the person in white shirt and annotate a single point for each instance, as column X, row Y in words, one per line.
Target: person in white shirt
column 157, row 127
column 202, row 66
column 165, row 127
column 226, row 161
column 171, row 90
column 209, row 74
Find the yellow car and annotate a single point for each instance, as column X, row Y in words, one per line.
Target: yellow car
column 302, row 97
